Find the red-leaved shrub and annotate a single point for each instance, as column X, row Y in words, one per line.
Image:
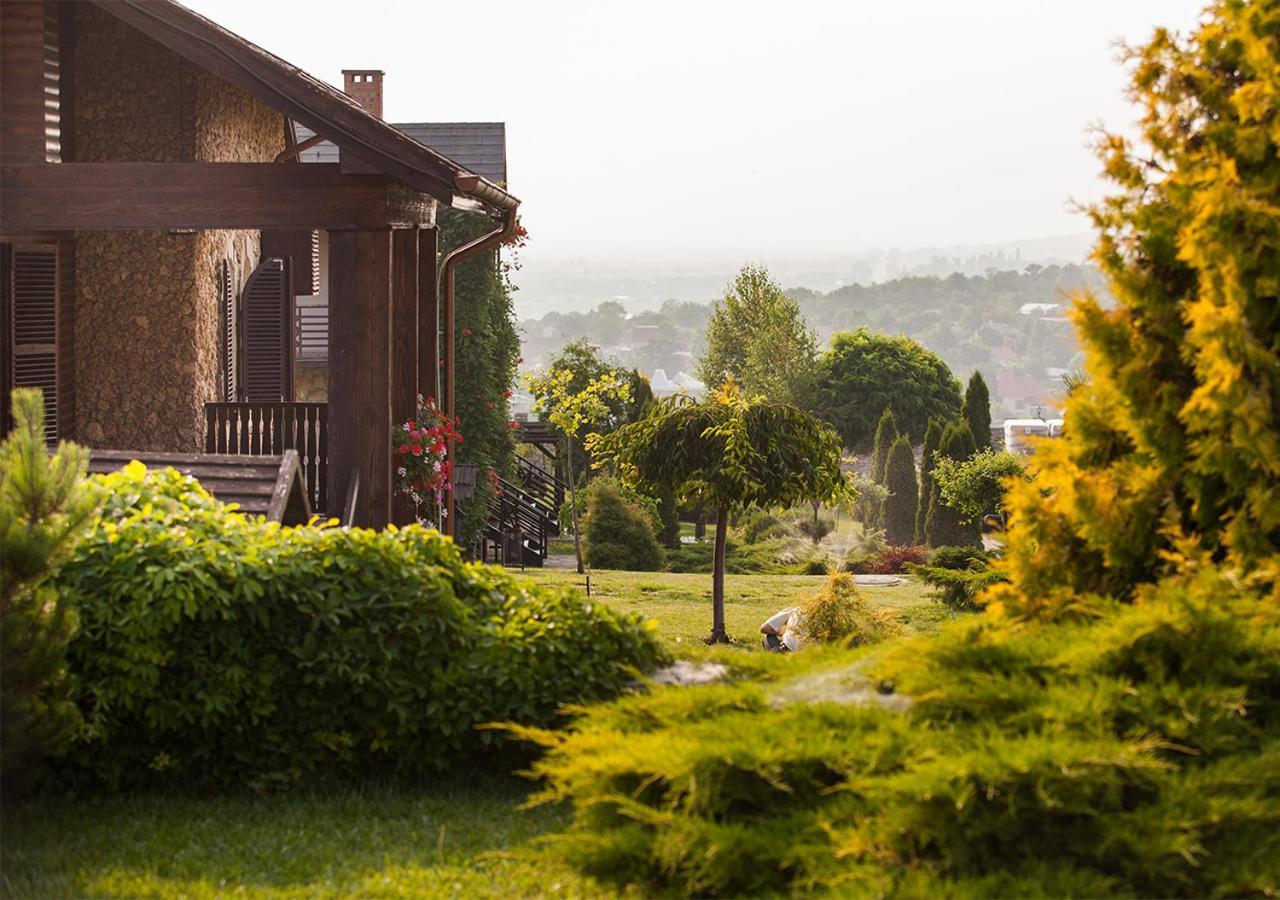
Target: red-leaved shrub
column 889, row 561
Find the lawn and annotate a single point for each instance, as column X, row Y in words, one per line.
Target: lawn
column 681, row 604
column 428, row 842
column 460, row 837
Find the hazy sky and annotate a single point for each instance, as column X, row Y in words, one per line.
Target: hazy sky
column 694, row 129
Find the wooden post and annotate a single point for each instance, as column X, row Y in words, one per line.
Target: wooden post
column 429, row 313
column 359, row 370
column 404, row 348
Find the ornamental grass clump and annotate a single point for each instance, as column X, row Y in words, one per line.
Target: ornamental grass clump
column 219, row 649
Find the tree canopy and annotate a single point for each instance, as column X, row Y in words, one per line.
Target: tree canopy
column 757, row 336
column 864, row 373
column 726, row 452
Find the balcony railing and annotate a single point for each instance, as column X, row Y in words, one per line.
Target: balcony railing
column 268, row 429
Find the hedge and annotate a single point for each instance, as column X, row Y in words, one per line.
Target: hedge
column 218, row 648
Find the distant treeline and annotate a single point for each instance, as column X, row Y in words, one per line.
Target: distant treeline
column 971, row 321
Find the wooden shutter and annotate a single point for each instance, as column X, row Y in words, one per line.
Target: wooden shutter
column 266, row 334
column 32, row 288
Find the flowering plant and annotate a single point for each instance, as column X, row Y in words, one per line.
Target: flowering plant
column 421, row 452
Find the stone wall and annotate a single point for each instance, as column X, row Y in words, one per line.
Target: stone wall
column 146, row 348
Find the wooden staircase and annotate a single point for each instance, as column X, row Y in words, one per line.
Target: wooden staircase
column 523, row 518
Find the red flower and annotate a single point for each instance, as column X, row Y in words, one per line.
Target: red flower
column 506, row 395
column 417, row 449
column 466, row 332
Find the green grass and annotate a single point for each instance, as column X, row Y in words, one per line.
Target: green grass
column 428, row 842
column 681, row 604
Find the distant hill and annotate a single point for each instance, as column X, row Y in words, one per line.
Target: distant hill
column 578, row 285
column 1010, row 324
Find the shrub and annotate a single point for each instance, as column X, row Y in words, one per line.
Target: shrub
column 618, row 532
column 956, row 557
column 587, row 490
column 216, row 648
column 958, row 587
column 758, row 525
column 889, row 561
column 839, row 614
column 814, row 565
column 44, row 510
column 767, row 557
column 1132, row 752
column 815, row 529
column 944, row 524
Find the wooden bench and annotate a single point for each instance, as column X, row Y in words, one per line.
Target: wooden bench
column 270, row 486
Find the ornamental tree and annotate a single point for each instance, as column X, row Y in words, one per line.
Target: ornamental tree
column 945, row 526
column 573, row 411
column 976, row 486
column 727, row 452
column 1172, row 445
column 899, row 515
column 977, row 410
column 865, row 372
column 928, row 459
column 45, row 509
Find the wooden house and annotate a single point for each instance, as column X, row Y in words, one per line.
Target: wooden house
column 156, row 225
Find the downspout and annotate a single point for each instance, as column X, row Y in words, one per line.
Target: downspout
column 448, row 274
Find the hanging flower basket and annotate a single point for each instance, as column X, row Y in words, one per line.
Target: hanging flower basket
column 421, row 453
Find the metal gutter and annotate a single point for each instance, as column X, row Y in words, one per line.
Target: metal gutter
column 448, row 275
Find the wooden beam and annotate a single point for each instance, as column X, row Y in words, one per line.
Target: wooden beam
column 404, row 345
column 359, row 372
column 120, row 195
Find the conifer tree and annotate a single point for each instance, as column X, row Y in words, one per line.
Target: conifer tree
column 944, row 526
column 1172, row 443
column 886, row 434
column 904, row 494
column 977, row 410
column 932, row 440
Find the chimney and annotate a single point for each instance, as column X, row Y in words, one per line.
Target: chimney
column 365, row 87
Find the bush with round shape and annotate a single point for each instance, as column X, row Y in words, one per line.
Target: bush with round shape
column 619, row 532
column 220, row 649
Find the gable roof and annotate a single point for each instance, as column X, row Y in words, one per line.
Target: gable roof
column 480, row 146
column 309, row 102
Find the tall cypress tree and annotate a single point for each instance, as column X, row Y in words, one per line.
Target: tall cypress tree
column 886, row 434
column 943, row 525
column 977, row 410
column 904, row 494
column 932, row 440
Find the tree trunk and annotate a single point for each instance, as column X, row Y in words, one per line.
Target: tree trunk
column 718, row 634
column 573, row 502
